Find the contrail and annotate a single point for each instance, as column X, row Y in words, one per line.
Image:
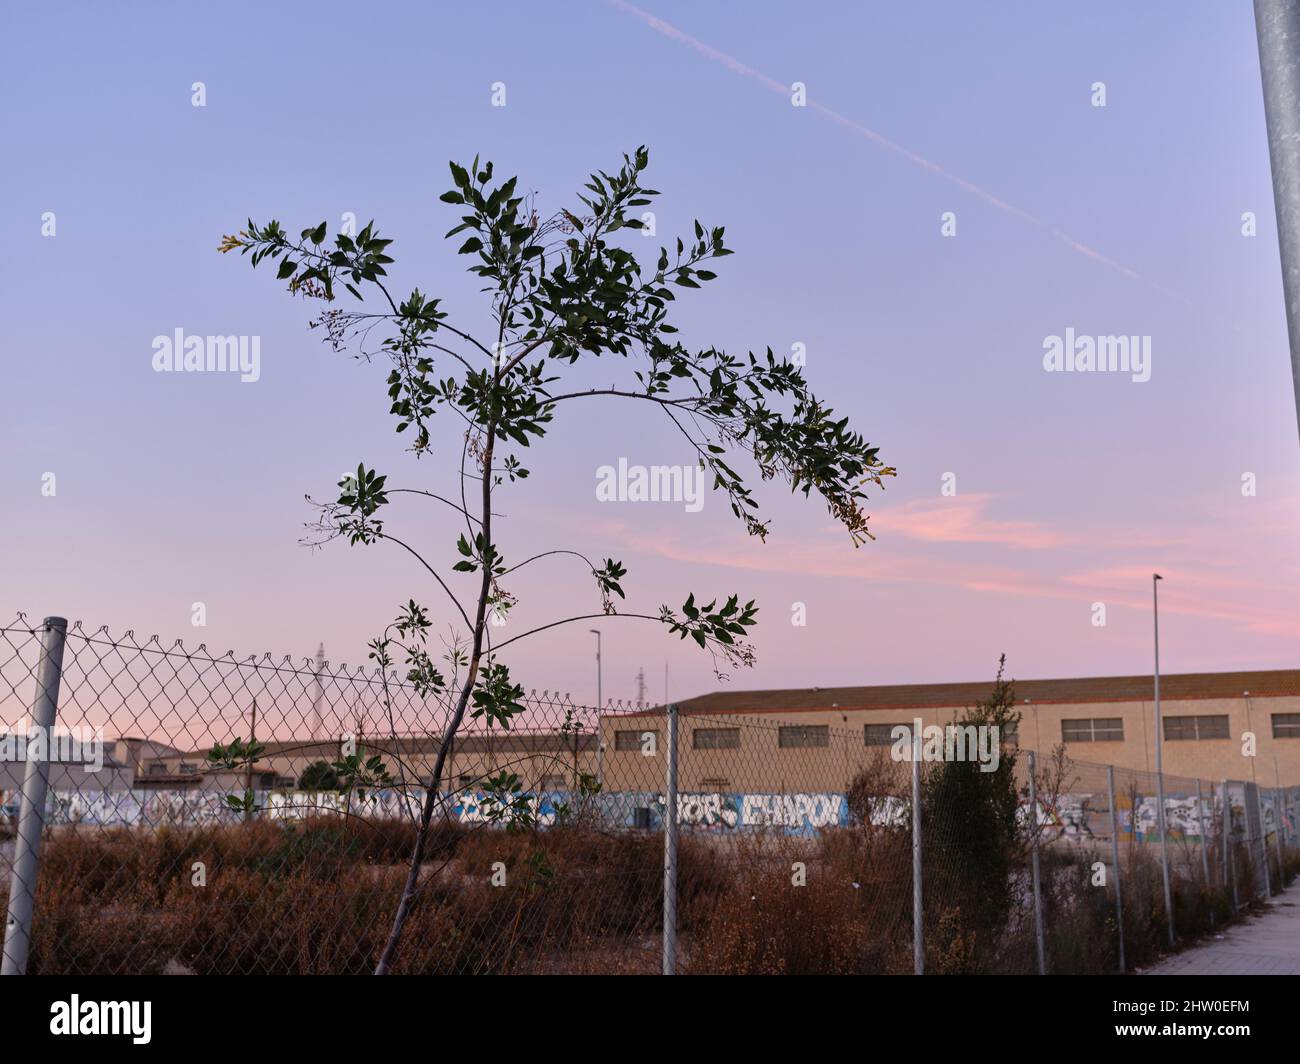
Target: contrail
column 737, row 67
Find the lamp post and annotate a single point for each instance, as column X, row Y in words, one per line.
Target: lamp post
column 600, row 735
column 1160, row 771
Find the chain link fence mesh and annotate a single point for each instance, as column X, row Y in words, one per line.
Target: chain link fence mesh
column 162, row 853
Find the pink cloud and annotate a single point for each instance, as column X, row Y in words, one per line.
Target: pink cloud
column 962, row 519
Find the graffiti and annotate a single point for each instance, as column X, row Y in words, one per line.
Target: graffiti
column 138, row 808
column 1182, row 818
column 1069, row 816
column 799, row 812
column 719, row 811
column 1079, row 816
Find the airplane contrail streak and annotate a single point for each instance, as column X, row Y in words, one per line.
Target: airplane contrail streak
column 736, row 66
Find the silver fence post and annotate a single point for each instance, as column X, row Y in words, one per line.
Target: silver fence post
column 1114, row 856
column 31, row 818
column 1038, row 892
column 1263, row 842
column 1277, row 836
column 1229, row 858
column 918, row 903
column 1205, row 840
column 670, row 847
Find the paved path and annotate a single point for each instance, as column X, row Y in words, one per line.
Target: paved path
column 1259, row 945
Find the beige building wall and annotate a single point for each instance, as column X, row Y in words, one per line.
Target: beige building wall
column 748, row 742
column 762, row 765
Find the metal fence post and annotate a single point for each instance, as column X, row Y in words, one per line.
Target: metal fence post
column 31, row 818
column 1205, row 841
column 1114, row 854
column 670, row 847
column 1277, row 836
column 1164, row 852
column 1277, row 22
column 1229, row 858
column 1038, row 892
column 918, row 904
column 1263, row 842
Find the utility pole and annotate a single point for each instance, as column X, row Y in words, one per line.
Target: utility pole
column 1277, row 27
column 640, row 687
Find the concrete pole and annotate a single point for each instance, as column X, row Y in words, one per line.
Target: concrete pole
column 918, row 902
column 1038, row 889
column 1160, row 771
column 1114, row 856
column 1277, row 28
column 31, row 818
column 670, row 847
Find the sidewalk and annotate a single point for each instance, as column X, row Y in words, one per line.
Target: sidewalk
column 1259, row 945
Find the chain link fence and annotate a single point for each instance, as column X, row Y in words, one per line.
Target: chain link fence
column 167, row 810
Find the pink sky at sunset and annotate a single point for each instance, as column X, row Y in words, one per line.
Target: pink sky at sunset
column 1070, row 489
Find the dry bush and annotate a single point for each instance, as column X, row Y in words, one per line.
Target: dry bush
column 850, row 917
column 318, row 896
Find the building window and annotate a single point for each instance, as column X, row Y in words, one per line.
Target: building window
column 634, row 740
column 1286, row 725
column 157, row 768
column 1093, row 730
column 793, row 735
column 187, row 768
column 715, row 783
column 882, row 734
column 716, row 738
column 1199, row 727
column 551, row 783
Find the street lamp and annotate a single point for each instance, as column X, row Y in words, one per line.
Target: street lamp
column 1160, row 770
column 600, row 736
column 599, row 699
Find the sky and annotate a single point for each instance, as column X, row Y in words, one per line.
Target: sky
column 1024, row 498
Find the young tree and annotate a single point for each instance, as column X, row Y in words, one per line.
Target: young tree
column 972, row 830
column 562, row 290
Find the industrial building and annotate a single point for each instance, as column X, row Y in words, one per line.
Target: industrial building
column 816, row 739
